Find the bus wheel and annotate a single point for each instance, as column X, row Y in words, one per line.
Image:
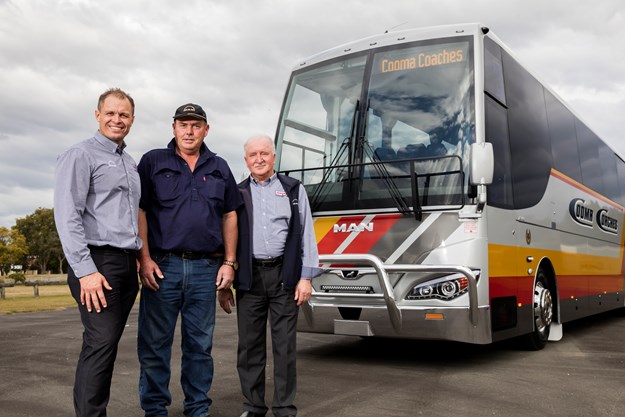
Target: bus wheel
column 542, row 313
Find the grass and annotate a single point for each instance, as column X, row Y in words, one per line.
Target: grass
column 21, row 299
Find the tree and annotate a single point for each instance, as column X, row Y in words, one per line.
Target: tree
column 13, row 248
column 40, row 232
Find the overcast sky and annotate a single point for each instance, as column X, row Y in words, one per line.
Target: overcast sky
column 234, row 57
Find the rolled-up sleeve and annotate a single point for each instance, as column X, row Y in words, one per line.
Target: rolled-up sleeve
column 72, row 179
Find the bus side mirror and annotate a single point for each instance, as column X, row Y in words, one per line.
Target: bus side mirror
column 482, row 163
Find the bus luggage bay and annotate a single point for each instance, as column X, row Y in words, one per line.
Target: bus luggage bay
column 455, row 196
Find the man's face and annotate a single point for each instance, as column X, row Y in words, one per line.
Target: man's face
column 260, row 158
column 190, row 134
column 115, row 118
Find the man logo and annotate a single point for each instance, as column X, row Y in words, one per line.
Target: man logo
column 350, row 273
column 353, row 227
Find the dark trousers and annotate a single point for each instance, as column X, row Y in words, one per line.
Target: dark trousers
column 267, row 298
column 103, row 330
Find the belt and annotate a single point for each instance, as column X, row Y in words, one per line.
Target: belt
column 109, row 248
column 195, row 255
column 268, row 262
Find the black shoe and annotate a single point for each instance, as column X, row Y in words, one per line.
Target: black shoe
column 251, row 414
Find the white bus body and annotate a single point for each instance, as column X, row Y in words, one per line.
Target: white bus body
column 455, row 196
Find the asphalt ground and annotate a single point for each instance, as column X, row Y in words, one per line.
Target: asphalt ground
column 340, row 376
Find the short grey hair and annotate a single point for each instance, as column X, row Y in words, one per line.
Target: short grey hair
column 257, row 137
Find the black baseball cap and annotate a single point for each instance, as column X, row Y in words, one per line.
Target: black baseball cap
column 190, row 110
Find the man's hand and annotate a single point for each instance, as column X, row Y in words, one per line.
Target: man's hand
column 148, row 272
column 92, row 288
column 226, row 299
column 225, row 276
column 303, row 290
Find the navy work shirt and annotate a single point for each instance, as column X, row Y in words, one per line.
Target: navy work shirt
column 184, row 209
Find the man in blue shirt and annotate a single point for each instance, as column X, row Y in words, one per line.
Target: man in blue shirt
column 278, row 257
column 188, row 219
column 96, row 202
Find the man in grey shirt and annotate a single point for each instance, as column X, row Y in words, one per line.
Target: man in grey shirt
column 96, row 201
column 277, row 254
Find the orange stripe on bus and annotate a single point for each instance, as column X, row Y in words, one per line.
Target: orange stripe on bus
column 323, row 225
column 582, row 187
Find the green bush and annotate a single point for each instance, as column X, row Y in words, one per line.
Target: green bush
column 17, row 277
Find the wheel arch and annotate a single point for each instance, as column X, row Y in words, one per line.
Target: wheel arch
column 546, row 266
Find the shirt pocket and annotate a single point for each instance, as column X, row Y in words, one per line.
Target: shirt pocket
column 281, row 206
column 212, row 188
column 168, row 185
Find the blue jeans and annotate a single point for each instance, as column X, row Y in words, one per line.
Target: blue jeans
column 189, row 289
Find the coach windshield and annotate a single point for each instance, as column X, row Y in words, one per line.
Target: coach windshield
column 371, row 131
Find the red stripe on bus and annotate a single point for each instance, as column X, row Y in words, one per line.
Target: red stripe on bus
column 571, row 286
column 332, row 240
column 366, row 239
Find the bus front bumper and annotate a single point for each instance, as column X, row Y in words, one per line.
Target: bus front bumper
column 381, row 315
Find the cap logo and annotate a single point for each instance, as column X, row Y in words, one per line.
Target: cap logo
column 189, row 110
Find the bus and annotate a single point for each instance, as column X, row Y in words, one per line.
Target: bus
column 455, row 196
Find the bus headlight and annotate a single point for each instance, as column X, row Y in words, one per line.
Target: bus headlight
column 444, row 288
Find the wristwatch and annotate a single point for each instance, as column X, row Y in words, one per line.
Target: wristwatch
column 233, row 264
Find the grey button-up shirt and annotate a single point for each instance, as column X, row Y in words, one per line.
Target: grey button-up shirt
column 272, row 212
column 96, row 201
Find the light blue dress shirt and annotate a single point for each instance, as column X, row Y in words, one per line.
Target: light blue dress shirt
column 271, row 215
column 96, row 200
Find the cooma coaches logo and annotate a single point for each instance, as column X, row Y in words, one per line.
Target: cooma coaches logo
column 585, row 215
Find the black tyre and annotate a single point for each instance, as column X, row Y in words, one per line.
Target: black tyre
column 542, row 313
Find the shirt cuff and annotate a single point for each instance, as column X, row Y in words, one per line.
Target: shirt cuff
column 84, row 268
column 309, row 272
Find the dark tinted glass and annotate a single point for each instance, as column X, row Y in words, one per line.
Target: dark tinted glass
column 620, row 171
column 500, row 191
column 563, row 138
column 588, row 144
column 493, row 71
column 530, row 146
column 608, row 171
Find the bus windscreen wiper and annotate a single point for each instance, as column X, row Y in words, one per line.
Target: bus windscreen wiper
column 316, row 198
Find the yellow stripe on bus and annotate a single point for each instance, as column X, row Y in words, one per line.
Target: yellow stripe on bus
column 502, row 261
column 323, row 226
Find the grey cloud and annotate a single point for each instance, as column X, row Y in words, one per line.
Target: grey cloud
column 235, row 58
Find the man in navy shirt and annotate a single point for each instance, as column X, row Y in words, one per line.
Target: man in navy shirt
column 188, row 219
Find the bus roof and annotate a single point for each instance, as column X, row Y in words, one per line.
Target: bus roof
column 416, row 34
column 392, row 38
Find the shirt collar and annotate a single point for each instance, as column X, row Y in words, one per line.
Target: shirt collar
column 205, row 153
column 268, row 181
column 107, row 143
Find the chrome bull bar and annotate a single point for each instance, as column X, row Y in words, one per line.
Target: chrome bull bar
column 382, row 271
